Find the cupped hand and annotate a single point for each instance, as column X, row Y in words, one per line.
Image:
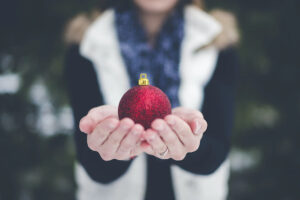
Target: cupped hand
column 176, row 135
column 110, row 137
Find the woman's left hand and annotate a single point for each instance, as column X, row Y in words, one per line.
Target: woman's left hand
column 176, row 135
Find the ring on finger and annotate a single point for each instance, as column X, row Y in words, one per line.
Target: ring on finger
column 163, row 154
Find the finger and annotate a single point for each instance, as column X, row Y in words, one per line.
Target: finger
column 110, row 146
column 137, row 150
column 156, row 143
column 184, row 132
column 86, row 125
column 147, row 148
column 95, row 116
column 179, row 126
column 170, row 138
column 193, row 117
column 187, row 113
column 130, row 141
column 198, row 126
column 101, row 133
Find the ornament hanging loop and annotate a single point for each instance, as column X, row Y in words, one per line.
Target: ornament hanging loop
column 143, row 79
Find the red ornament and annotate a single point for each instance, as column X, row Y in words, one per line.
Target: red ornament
column 144, row 103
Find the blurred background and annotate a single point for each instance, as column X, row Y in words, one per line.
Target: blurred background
column 36, row 146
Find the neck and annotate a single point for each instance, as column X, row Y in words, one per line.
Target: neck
column 152, row 23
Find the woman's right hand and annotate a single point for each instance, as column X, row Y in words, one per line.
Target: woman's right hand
column 110, row 137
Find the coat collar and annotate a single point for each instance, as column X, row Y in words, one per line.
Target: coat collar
column 200, row 29
column 100, row 45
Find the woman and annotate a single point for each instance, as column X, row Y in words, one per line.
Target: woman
column 186, row 53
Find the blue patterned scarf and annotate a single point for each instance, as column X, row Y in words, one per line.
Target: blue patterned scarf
column 161, row 62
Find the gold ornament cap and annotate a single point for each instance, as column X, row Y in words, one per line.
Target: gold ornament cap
column 143, row 79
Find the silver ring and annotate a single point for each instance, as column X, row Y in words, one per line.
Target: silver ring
column 163, row 154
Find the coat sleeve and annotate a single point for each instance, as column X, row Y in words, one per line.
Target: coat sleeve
column 84, row 94
column 218, row 110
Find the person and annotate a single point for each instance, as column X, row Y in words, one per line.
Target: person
column 186, row 52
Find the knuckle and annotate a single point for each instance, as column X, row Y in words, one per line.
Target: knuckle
column 196, row 148
column 105, row 156
column 93, row 110
column 176, row 157
column 118, row 157
column 91, row 144
column 199, row 114
column 179, row 157
column 182, row 156
column 190, row 147
column 195, row 145
column 205, row 125
column 200, row 138
column 122, row 157
column 193, row 148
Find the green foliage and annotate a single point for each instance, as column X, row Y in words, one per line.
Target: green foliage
column 34, row 166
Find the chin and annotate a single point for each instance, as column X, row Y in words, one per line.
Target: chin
column 155, row 6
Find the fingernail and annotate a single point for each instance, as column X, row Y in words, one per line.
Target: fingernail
column 198, row 127
column 125, row 126
column 159, row 126
column 136, row 132
column 171, row 121
column 150, row 138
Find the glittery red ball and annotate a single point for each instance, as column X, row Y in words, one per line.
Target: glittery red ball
column 143, row 104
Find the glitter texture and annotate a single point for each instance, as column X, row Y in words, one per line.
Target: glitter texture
column 143, row 104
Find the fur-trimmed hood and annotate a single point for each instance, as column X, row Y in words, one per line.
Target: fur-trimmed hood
column 229, row 36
